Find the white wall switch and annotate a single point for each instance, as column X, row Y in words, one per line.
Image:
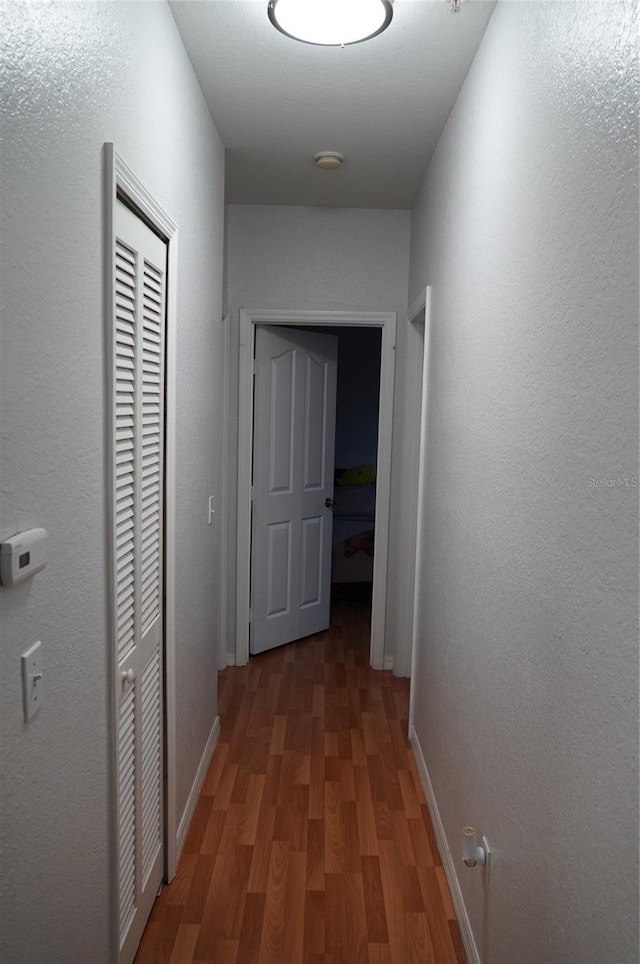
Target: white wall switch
column 32, row 680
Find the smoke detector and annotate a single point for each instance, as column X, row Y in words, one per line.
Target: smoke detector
column 328, row 160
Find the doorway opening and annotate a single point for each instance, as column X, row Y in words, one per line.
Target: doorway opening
column 341, row 506
column 355, row 462
column 249, row 321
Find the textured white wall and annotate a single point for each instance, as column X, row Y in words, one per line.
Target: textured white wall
column 73, row 76
column 316, row 258
column 526, row 682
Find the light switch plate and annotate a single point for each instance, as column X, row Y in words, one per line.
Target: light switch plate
column 32, row 680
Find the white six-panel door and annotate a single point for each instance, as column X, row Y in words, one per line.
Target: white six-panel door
column 293, row 456
column 138, row 491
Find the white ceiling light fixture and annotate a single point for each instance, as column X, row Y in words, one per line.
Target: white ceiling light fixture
column 330, row 23
column 328, row 160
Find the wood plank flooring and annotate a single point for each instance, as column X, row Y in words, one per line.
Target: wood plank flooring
column 311, row 842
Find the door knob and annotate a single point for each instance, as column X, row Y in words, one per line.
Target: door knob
column 329, row 503
column 127, row 675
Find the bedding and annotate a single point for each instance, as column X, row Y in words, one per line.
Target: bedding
column 353, row 526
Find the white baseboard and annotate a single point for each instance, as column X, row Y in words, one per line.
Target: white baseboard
column 231, row 659
column 466, row 932
column 194, row 795
column 388, row 662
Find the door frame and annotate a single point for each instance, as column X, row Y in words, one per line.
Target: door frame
column 420, row 308
column 249, row 318
column 120, row 181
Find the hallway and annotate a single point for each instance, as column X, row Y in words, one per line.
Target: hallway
column 311, row 841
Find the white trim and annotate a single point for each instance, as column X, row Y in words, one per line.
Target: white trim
column 245, row 445
column 223, row 534
column 128, row 183
column 422, row 475
column 419, row 305
column 171, row 856
column 249, row 318
column 415, row 336
column 194, row 794
column 388, row 663
column 112, row 702
column 120, row 179
column 471, row 949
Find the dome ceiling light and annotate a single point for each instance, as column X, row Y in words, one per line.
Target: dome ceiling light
column 328, row 160
column 330, row 23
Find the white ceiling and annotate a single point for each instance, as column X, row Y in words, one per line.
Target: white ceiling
column 382, row 103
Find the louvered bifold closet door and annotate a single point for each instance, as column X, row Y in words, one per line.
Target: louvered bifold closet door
column 140, row 260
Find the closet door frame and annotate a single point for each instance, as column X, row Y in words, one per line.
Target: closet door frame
column 120, row 182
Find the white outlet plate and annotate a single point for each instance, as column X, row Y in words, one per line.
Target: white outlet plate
column 32, row 681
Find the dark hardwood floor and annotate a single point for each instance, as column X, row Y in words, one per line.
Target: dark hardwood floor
column 311, row 842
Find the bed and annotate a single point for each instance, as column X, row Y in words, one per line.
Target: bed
column 353, row 525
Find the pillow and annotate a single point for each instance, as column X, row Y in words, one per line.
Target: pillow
column 357, row 475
